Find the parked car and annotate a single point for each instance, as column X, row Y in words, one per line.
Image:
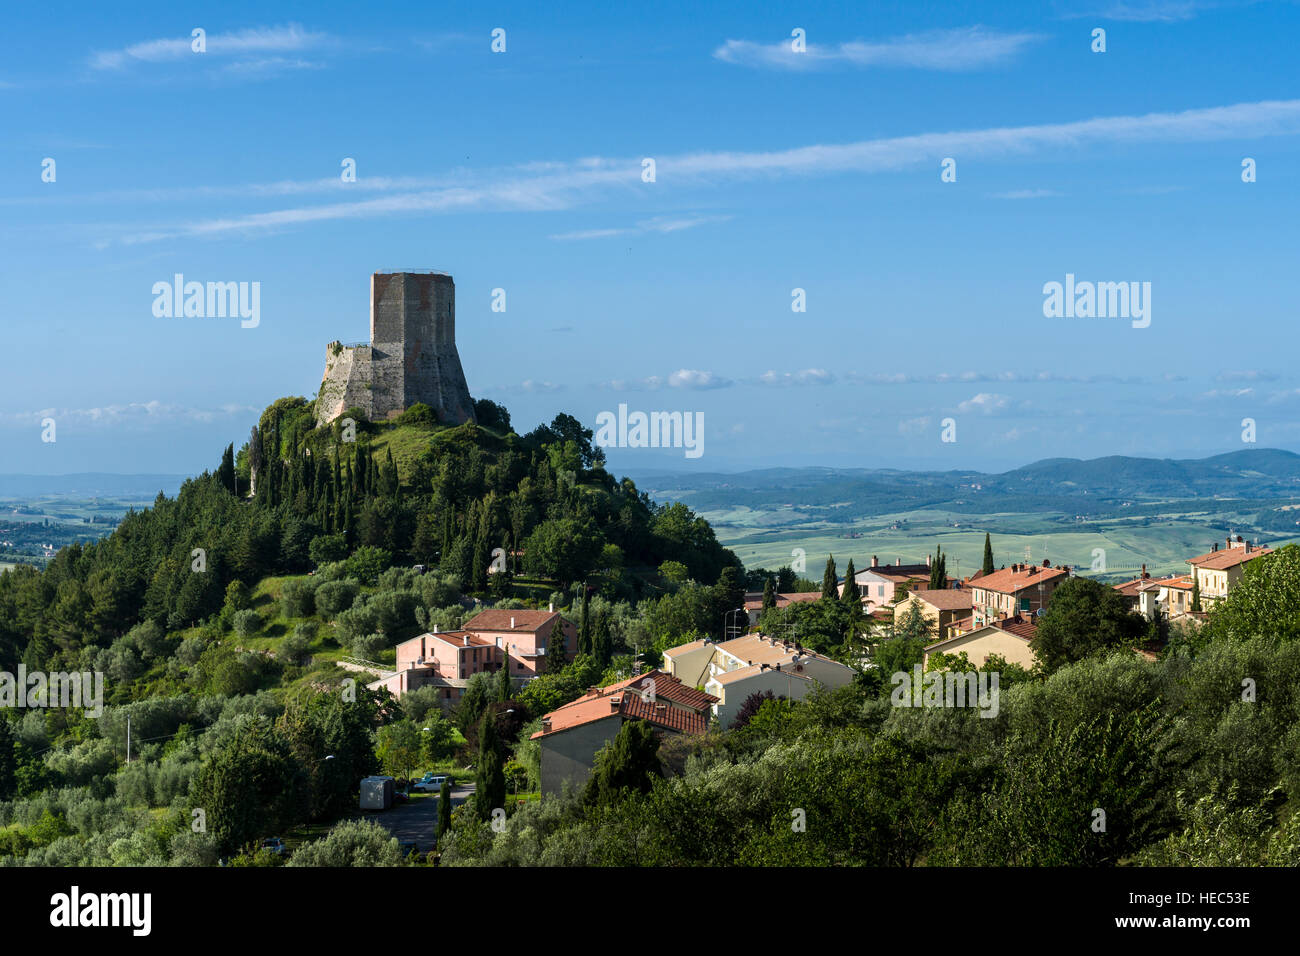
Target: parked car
column 274, row 845
column 429, row 783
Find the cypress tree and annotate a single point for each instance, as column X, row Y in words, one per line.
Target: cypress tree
column 830, row 587
column 226, row 473
column 938, row 570
column 852, row 593
column 444, row 807
column 584, row 622
column 490, row 778
column 769, row 596
column 987, row 567
column 504, row 688
column 556, row 652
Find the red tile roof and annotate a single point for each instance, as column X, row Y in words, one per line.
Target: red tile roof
column 1022, row 627
column 1227, row 558
column 945, row 599
column 785, row 599
column 634, row 706
column 1016, row 578
column 498, row 619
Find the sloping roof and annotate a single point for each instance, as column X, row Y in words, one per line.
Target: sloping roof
column 945, row 599
column 744, row 673
column 634, row 706
column 458, row 639
column 684, row 648
column 623, row 697
column 1131, row 588
column 498, row 619
column 1227, row 558
column 1022, row 627
column 760, row 649
column 1013, row 580
column 786, row 598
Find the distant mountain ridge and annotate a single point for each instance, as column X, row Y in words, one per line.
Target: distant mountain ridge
column 1262, row 473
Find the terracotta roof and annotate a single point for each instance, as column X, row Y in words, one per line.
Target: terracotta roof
column 785, row 599
column 1227, row 558
column 901, row 573
column 601, row 702
column 1131, row 588
column 1022, row 627
column 744, row 673
column 759, row 649
column 1012, row 580
column 457, row 639
column 498, row 619
column 684, row 648
column 1181, row 581
column 945, row 599
column 634, row 706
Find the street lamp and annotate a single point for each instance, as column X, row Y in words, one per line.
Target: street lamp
column 727, row 616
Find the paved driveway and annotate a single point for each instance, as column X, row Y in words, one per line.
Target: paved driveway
column 417, row 821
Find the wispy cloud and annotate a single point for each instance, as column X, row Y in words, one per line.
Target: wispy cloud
column 686, row 378
column 967, row 48
column 659, row 224
column 556, row 186
column 257, row 45
column 1025, row 194
column 1156, row 11
column 807, row 376
column 131, row 413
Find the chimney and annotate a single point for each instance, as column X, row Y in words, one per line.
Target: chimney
column 1144, row 572
column 1215, row 548
column 551, row 607
column 435, row 628
column 927, row 560
column 512, row 622
column 1046, row 563
column 467, row 640
column 546, row 725
column 615, row 703
column 1239, row 540
column 1229, row 541
column 875, row 562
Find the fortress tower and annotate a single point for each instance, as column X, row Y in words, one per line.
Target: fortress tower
column 411, row 357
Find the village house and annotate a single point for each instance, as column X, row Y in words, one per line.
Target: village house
column 940, row 608
column 1219, row 571
column 880, row 583
column 1021, row 589
column 490, row 640
column 1007, row 637
column 572, row 735
column 754, row 602
column 732, row 670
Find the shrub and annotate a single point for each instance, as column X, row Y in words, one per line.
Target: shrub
column 246, row 622
column 298, row 599
column 369, row 646
column 334, row 596
column 354, row 843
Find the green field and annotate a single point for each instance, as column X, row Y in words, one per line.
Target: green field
column 769, row 538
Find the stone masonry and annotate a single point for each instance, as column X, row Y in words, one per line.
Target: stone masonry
column 411, row 357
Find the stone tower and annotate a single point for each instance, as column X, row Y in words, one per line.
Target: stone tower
column 411, row 357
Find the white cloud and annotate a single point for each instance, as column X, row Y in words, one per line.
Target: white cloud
column 254, row 44
column 808, row 376
column 660, row 224
column 1025, row 194
column 696, row 379
column 131, row 413
column 985, row 403
column 554, row 186
column 967, row 48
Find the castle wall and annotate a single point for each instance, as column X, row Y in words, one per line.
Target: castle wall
column 412, row 356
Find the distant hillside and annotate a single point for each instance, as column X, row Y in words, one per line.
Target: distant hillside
column 1264, row 473
column 89, row 485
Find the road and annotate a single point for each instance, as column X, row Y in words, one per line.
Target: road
column 417, row 821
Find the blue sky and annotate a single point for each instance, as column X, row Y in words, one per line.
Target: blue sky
column 775, row 170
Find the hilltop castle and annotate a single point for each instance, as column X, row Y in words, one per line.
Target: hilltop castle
column 411, row 357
